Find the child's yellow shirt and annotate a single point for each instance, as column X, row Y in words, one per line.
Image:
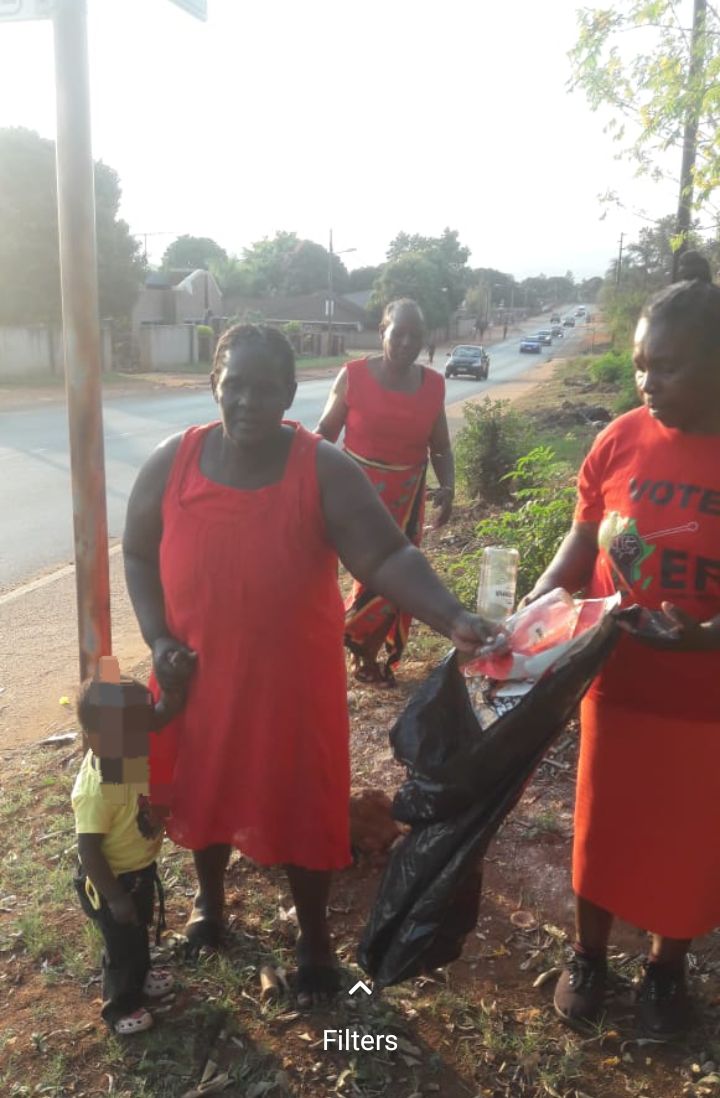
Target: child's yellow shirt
column 119, row 813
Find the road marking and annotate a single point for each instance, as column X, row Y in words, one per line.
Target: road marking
column 45, row 581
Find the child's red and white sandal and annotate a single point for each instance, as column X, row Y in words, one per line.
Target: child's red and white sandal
column 137, row 1022
column 158, row 983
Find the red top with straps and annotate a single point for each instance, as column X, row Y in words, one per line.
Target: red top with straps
column 387, row 426
column 259, row 756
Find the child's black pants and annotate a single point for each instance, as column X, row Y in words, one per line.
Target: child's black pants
column 126, row 957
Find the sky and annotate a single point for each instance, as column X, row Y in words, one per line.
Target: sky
column 365, row 118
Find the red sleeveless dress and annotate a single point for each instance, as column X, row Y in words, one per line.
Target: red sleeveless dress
column 259, row 758
column 388, row 435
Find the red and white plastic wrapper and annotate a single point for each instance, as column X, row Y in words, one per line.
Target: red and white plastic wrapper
column 536, row 638
column 538, row 635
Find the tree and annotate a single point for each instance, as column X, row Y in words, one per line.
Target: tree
column 362, row 278
column 230, row 275
column 29, row 248
column 589, row 289
column 647, row 267
column 192, row 253
column 448, row 256
column 288, row 265
column 501, row 289
column 413, row 275
column 477, row 302
column 666, row 90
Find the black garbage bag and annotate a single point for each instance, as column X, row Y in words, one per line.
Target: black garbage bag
column 463, row 780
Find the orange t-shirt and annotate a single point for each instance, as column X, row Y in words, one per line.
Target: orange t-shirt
column 656, row 492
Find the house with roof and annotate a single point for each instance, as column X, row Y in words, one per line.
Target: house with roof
column 349, row 320
column 176, row 297
column 166, row 314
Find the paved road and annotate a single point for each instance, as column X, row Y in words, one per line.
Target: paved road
column 35, row 505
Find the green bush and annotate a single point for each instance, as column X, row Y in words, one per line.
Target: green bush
column 204, row 331
column 488, row 448
column 545, row 501
column 612, row 368
column 616, row 368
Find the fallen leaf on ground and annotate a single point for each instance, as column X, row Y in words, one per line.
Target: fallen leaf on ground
column 523, row 920
column 544, row 977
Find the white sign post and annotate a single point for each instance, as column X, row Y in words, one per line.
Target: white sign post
column 12, row 10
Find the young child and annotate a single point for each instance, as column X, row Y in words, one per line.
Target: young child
column 119, row 837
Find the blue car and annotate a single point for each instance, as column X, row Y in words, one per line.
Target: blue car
column 531, row 345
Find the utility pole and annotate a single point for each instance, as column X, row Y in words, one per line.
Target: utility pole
column 145, row 240
column 331, row 302
column 619, row 262
column 81, row 331
column 692, row 119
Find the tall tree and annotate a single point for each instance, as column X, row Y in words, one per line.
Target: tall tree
column 192, row 253
column 362, row 278
column 230, row 275
column 589, row 289
column 665, row 91
column 448, row 256
column 413, row 275
column 501, row 288
column 29, row 258
column 286, row 264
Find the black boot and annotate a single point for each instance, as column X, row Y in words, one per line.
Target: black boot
column 663, row 1004
column 580, row 992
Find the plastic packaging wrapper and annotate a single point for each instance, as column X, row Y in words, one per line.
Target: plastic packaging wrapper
column 464, row 777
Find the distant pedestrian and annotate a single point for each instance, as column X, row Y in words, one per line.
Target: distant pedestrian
column 393, row 412
column 505, row 331
column 694, row 266
column 430, row 353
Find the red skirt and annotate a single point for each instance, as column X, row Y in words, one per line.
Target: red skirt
column 402, row 490
column 647, row 819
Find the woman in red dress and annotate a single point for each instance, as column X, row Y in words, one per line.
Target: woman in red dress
column 231, row 544
column 393, row 412
column 647, row 815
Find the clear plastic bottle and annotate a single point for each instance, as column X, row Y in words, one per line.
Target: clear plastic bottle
column 497, row 583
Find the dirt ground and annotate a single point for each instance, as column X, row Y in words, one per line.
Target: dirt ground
column 483, row 1027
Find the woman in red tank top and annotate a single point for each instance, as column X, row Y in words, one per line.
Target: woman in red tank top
column 393, row 413
column 231, row 552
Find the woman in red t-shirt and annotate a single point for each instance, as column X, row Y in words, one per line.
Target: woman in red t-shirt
column 647, row 522
column 393, row 413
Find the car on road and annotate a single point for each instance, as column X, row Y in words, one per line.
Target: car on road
column 557, row 331
column 580, row 311
column 531, row 345
column 569, row 322
column 555, row 318
column 545, row 337
column 469, row 359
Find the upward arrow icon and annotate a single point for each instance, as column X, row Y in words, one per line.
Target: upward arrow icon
column 360, row 986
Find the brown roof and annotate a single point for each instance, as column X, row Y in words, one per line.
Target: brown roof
column 309, row 308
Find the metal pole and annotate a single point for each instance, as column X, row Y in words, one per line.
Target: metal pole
column 330, row 294
column 619, row 262
column 81, row 331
